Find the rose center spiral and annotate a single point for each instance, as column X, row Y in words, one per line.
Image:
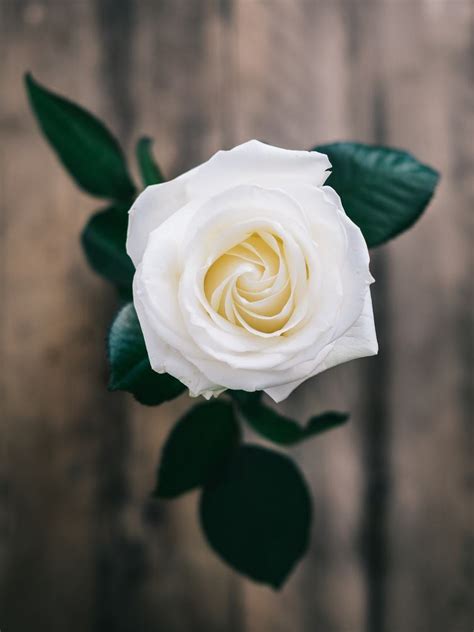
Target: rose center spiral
column 249, row 285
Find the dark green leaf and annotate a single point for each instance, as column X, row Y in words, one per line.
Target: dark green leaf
column 325, row 421
column 84, row 145
column 384, row 191
column 130, row 368
column 150, row 172
column 103, row 240
column 257, row 515
column 197, row 448
column 244, row 398
column 280, row 429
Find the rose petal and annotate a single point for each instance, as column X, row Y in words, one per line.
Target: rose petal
column 358, row 342
column 151, row 208
column 254, row 162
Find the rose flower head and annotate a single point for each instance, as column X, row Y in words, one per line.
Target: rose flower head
column 249, row 274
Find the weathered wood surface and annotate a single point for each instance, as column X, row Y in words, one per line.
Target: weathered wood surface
column 81, row 548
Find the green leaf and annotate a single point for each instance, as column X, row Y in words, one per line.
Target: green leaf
column 384, row 191
column 244, row 398
column 130, row 368
column 257, row 516
column 197, row 448
column 84, row 145
column 280, row 429
column 150, row 172
column 103, row 240
column 324, row 422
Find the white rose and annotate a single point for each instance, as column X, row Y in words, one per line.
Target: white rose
column 249, row 274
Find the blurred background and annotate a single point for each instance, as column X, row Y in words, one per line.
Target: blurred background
column 81, row 546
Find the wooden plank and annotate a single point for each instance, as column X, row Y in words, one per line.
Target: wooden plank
column 52, row 341
column 427, row 70
column 178, row 86
column 289, row 94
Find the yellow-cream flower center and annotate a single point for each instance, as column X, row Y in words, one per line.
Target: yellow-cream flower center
column 249, row 285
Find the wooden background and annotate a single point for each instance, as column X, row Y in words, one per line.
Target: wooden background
column 81, row 547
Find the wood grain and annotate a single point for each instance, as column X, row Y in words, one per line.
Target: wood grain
column 81, row 545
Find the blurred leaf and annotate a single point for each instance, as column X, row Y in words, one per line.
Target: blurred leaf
column 130, row 368
column 150, row 172
column 84, row 145
column 280, row 429
column 257, row 515
column 103, row 240
column 325, row 421
column 244, row 398
column 384, row 191
column 197, row 448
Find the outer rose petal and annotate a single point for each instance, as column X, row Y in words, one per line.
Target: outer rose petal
column 254, row 162
column 151, row 209
column 166, row 359
column 359, row 341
